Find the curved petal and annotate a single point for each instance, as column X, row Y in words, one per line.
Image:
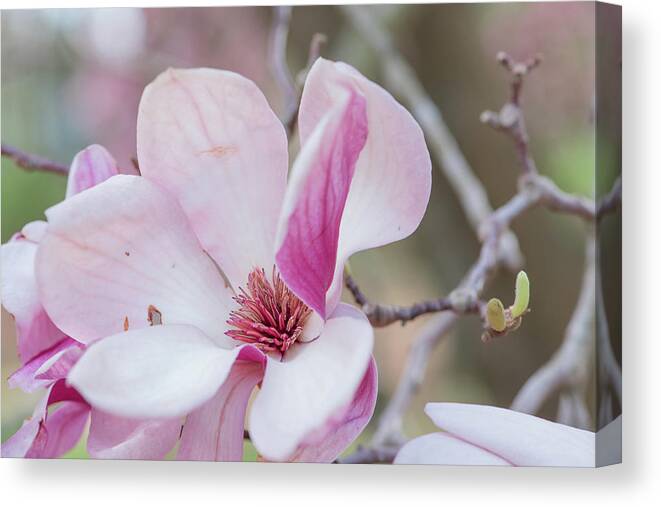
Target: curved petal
column 326, row 444
column 392, row 183
column 445, row 449
column 60, row 431
column 113, row 437
column 157, row 372
column 19, row 444
column 316, row 380
column 214, row 432
column 521, row 439
column 52, row 364
column 315, row 200
column 121, row 252
column 90, row 167
column 210, row 137
column 20, row 297
column 49, row 435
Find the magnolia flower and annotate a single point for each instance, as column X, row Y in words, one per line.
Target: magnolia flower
column 47, row 355
column 484, row 435
column 211, row 274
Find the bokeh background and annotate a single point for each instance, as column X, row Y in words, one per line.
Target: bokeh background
column 74, row 77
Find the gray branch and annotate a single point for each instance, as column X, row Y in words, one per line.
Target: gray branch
column 400, row 79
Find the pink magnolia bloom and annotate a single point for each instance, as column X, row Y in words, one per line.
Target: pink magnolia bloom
column 48, row 354
column 212, row 274
column 485, row 435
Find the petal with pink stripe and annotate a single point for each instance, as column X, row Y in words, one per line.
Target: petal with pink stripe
column 214, row 432
column 316, row 197
column 392, row 181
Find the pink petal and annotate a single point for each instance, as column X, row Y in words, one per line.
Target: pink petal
column 315, row 200
column 121, row 252
column 157, row 372
column 60, row 431
column 113, row 437
column 521, row 439
column 47, row 435
column 392, row 182
column 58, row 366
column 210, row 137
column 90, row 167
column 20, row 296
column 51, row 364
column 326, row 444
column 19, row 444
column 445, row 449
column 214, row 432
column 316, row 380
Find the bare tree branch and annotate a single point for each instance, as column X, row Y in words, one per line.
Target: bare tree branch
column 609, row 378
column 611, row 201
column 569, row 366
column 290, row 88
column 32, row 162
column 510, row 118
column 389, row 428
column 400, row 78
column 279, row 66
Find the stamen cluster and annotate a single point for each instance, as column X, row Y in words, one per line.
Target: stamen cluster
column 270, row 316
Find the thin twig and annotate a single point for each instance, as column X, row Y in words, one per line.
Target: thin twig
column 389, row 428
column 510, row 118
column 533, row 190
column 558, row 200
column 316, row 44
column 611, row 201
column 279, row 67
column 290, row 88
column 32, row 162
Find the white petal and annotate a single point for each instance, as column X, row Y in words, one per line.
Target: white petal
column 521, row 439
column 392, row 181
column 319, row 378
column 444, row 449
column 116, row 253
column 156, row 372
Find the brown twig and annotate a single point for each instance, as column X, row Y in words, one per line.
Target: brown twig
column 32, row 162
column 389, row 428
column 510, row 118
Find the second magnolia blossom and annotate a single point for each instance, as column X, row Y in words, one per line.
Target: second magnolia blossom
column 213, row 273
column 485, row 435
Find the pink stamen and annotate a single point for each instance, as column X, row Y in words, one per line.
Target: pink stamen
column 270, row 316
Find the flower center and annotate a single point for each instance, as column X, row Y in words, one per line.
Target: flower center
column 270, row 316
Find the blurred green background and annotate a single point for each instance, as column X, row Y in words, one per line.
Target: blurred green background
column 74, row 77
